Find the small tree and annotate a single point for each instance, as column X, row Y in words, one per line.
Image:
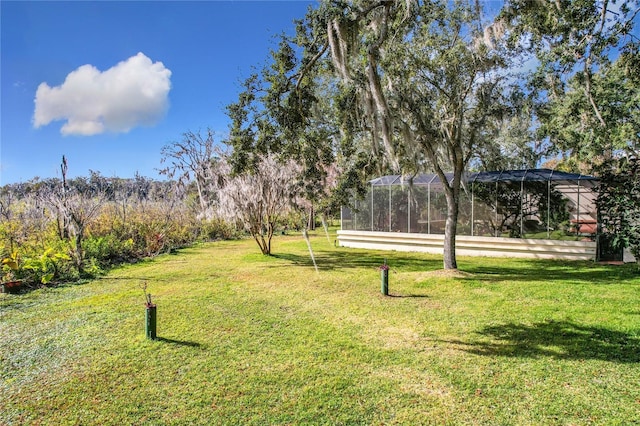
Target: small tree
column 193, row 160
column 8, row 226
column 619, row 203
column 76, row 202
column 259, row 199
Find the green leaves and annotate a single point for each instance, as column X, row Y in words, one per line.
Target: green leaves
column 11, row 261
column 584, row 102
column 619, row 202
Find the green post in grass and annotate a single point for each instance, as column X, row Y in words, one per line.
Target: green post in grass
column 384, row 281
column 384, row 278
column 150, row 323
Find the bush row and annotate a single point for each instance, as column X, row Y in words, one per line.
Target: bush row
column 34, row 249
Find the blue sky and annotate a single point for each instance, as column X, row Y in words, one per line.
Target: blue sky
column 108, row 84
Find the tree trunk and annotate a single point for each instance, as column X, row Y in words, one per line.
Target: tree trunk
column 203, row 205
column 262, row 243
column 264, row 239
column 450, row 229
column 79, row 252
column 270, row 230
column 311, row 224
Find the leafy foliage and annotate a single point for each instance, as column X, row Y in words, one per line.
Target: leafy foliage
column 585, row 89
column 619, row 203
column 278, row 115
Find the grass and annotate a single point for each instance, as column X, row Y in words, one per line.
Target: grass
column 247, row 339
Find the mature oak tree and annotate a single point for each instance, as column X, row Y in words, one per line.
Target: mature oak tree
column 420, row 82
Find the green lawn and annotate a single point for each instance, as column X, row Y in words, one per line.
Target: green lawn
column 247, row 339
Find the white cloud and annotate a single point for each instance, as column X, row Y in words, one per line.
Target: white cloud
column 132, row 93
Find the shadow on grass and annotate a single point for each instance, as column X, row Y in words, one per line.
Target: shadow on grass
column 408, row 296
column 332, row 260
column 480, row 269
column 129, row 278
column 557, row 339
column 549, row 270
column 179, row 342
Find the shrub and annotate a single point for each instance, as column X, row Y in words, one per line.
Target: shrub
column 218, row 229
column 109, row 250
column 128, row 226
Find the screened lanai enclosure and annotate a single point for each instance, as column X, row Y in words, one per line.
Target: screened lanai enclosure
column 540, row 207
column 537, row 203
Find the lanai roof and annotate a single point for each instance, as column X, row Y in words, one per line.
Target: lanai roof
column 528, row 175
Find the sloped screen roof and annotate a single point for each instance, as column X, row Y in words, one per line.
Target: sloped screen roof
column 529, row 175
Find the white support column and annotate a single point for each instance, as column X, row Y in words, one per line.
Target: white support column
column 472, row 209
column 429, row 208
column 372, row 216
column 408, row 208
column 522, row 206
column 549, row 209
column 497, row 231
column 389, row 207
column 578, row 211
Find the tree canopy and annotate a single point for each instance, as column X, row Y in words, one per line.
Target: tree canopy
column 416, row 86
column 380, row 85
column 585, row 89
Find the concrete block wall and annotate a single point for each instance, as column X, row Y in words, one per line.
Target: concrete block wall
column 470, row 246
